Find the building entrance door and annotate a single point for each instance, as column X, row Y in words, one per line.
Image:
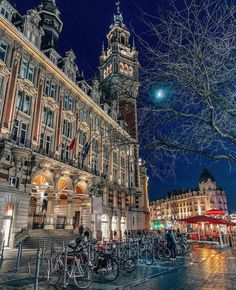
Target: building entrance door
column 7, row 223
column 77, row 220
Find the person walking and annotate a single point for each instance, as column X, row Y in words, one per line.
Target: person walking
column 172, row 244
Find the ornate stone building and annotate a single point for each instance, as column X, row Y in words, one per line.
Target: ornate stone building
column 68, row 149
column 181, row 204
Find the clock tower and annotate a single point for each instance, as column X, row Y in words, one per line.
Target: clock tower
column 119, row 81
column 119, row 74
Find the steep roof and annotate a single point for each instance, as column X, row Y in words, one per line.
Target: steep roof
column 205, row 176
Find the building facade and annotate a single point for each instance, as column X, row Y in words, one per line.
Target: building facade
column 68, row 149
column 182, row 204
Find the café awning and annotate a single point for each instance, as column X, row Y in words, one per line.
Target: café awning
column 205, row 219
column 215, row 211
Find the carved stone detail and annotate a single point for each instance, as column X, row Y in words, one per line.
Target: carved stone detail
column 69, row 116
column 50, row 102
column 27, row 86
column 84, row 126
column 3, row 69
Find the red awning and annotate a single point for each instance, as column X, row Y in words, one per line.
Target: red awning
column 215, row 211
column 205, row 219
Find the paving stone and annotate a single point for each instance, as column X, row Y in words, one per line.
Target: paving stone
column 211, row 269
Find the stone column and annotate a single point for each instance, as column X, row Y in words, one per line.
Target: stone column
column 49, row 222
column 5, row 74
column 58, row 131
column 69, row 220
column 109, row 226
column 38, row 109
column 8, row 110
column 118, row 226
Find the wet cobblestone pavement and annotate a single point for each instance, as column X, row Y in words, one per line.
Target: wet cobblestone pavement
column 210, row 269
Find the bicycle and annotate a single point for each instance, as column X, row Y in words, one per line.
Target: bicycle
column 81, row 273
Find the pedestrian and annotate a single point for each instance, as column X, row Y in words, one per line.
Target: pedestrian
column 172, row 243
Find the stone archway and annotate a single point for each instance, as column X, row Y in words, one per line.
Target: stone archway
column 64, row 203
column 42, row 182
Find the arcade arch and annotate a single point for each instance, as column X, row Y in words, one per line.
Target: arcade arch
column 104, row 227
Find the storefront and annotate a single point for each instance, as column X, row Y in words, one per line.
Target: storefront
column 7, row 223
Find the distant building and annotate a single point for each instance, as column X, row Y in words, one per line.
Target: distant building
column 181, row 203
column 68, row 148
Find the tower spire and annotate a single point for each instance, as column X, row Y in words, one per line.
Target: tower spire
column 118, row 7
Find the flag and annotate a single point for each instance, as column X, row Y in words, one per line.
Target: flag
column 72, row 145
column 85, row 150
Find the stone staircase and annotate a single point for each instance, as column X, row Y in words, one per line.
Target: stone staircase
column 37, row 237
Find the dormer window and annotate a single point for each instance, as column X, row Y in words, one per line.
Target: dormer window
column 53, row 59
column 5, row 13
column 122, row 39
column 31, row 36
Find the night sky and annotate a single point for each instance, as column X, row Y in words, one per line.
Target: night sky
column 86, row 23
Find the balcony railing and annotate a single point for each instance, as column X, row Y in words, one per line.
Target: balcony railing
column 25, row 143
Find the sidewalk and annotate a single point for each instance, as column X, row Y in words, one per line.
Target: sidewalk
column 214, row 264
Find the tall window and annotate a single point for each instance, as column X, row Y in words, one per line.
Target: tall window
column 47, row 88
column 30, row 75
column 83, row 114
column 106, row 152
column 82, row 138
column 53, row 90
column 27, row 105
column 95, row 146
column 50, row 89
column 23, row 133
column 115, row 174
column 3, row 51
column 68, row 103
column 23, row 102
column 122, row 161
column 48, row 144
column 67, row 129
column 95, row 123
column 15, row 130
column 48, row 117
column 27, row 70
column 62, row 151
column 115, row 158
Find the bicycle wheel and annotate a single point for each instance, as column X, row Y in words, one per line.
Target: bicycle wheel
column 166, row 253
column 43, row 267
column 82, row 275
column 111, row 272
column 147, row 257
column 129, row 265
column 189, row 256
column 55, row 269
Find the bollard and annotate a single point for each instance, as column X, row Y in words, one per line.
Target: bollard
column 43, row 249
column 63, row 245
column 19, row 256
column 52, row 248
column 38, row 262
column 2, row 252
column 64, row 285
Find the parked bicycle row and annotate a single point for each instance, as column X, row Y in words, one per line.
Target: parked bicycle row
column 83, row 260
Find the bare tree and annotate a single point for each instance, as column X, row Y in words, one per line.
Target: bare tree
column 190, row 75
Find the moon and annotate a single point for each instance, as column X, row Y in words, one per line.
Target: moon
column 160, row 94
